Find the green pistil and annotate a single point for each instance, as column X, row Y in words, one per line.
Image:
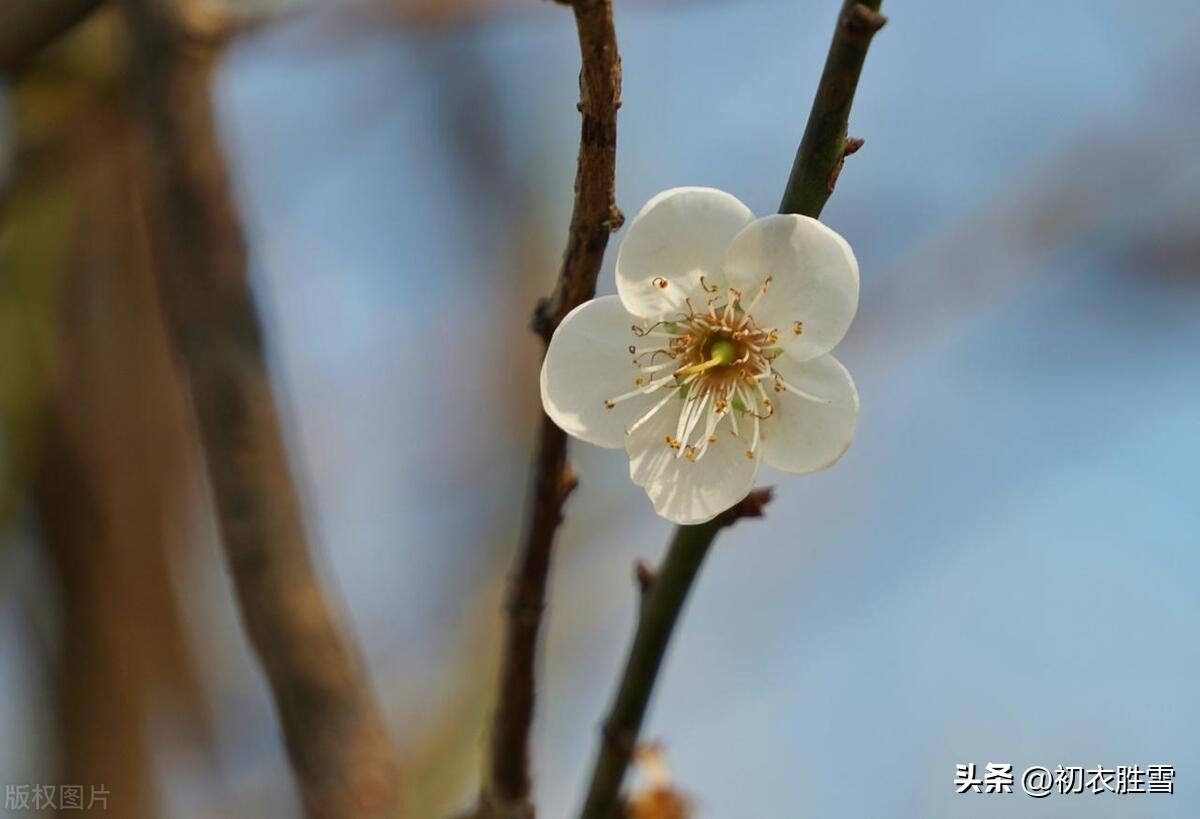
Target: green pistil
column 723, row 351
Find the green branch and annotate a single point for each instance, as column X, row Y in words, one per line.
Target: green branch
column 663, row 596
column 824, row 146
column 819, row 159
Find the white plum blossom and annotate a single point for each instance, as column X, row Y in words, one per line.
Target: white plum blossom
column 714, row 354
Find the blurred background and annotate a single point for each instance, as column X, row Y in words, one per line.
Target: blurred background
column 1003, row 568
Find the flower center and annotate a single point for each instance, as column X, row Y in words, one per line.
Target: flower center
column 714, row 362
column 722, row 352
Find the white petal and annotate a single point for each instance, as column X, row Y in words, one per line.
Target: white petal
column 814, row 280
column 686, row 491
column 678, row 236
column 805, row 435
column 587, row 362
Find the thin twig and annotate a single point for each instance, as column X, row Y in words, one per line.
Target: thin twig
column 818, row 162
column 28, row 26
column 332, row 727
column 824, row 146
column 662, row 600
column 594, row 217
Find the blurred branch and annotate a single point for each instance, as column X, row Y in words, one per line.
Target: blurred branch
column 332, row 727
column 593, row 218
column 101, row 677
column 824, row 146
column 27, row 26
column 663, row 595
column 818, row 161
column 115, row 451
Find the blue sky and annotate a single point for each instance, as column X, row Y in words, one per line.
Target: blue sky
column 997, row 571
column 1003, row 567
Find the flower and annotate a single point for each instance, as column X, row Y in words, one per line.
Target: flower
column 714, row 354
column 659, row 798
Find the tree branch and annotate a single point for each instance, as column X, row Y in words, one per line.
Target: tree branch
column 594, row 217
column 823, row 148
column 28, row 26
column 332, row 728
column 663, row 595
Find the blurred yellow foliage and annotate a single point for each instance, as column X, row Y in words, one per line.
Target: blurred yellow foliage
column 659, row 799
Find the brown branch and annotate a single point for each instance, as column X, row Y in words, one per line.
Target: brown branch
column 332, row 728
column 28, row 26
column 101, row 674
column 595, row 215
column 593, row 219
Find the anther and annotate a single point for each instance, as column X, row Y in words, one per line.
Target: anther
column 808, row 396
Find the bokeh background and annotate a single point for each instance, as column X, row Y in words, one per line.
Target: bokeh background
column 1003, row 568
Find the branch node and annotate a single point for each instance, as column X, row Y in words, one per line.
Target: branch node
column 491, row 807
column 523, row 610
column 621, row 740
column 542, row 322
column 645, row 575
column 849, row 146
column 751, row 506
column 569, row 483
column 861, row 22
